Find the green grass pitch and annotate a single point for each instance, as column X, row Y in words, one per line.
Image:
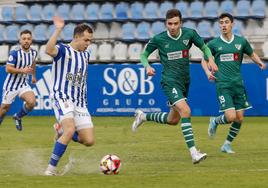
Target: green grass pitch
column 155, row 156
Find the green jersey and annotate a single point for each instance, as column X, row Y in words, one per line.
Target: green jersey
column 174, row 53
column 228, row 57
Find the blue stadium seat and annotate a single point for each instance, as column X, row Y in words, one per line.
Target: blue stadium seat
column 63, row 10
column 238, row 27
column 26, row 27
column 203, row 28
column 242, row 9
column 143, row 31
column 78, row 12
column 106, row 12
column 92, row 12
column 151, row 10
column 12, row 32
column 50, row 30
column 67, row 33
column 227, row 6
column 136, row 11
column 258, row 8
column 164, row 7
column 121, row 11
column 128, row 31
column 35, row 13
column 189, row 24
column 49, row 11
column 211, row 9
column 196, row 9
column 216, row 29
column 7, row 14
column 40, row 33
column 183, row 7
column 157, row 27
column 21, row 14
column 2, row 32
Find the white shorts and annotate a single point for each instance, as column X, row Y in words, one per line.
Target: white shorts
column 8, row 97
column 67, row 109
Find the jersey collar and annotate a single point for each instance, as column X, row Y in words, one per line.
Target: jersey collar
column 173, row 37
column 229, row 42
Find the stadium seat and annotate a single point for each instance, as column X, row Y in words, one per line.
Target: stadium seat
column 26, row 27
column 157, row 27
column 164, row 7
column 211, row 9
column 102, row 31
column 2, row 33
column 227, row 6
column 143, row 31
column 258, row 8
column 12, row 32
column 21, row 14
column 49, row 11
column 134, row 51
column 3, row 53
column 121, row 11
column 93, row 50
column 189, row 24
column 128, row 31
column 40, row 33
column 204, row 29
column 264, row 49
column 35, row 13
column 78, row 12
column 7, row 14
column 63, row 11
column 216, row 29
column 43, row 56
column 196, row 9
column 120, row 51
column 115, row 31
column 154, row 56
column 242, row 9
column 106, row 12
column 195, row 53
column 238, row 27
column 105, row 52
column 183, row 7
column 92, row 12
column 151, row 10
column 50, row 30
column 67, row 32
column 136, row 11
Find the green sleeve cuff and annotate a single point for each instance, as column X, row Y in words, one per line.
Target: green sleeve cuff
column 205, row 49
column 144, row 58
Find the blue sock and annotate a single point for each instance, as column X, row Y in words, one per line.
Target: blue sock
column 24, row 111
column 1, row 119
column 75, row 136
column 58, row 151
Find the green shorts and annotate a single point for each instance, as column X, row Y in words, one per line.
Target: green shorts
column 232, row 98
column 175, row 92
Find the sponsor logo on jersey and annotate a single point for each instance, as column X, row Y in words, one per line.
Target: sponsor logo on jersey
column 220, row 48
column 229, row 57
column 238, row 46
column 166, row 46
column 177, row 55
column 186, row 42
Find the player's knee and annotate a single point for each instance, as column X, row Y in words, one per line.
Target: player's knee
column 231, row 117
column 89, row 142
column 69, row 132
column 31, row 104
column 239, row 119
column 174, row 121
column 5, row 108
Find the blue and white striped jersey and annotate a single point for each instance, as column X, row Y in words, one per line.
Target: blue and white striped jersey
column 69, row 75
column 20, row 59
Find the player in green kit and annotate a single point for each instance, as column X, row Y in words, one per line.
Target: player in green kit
column 173, row 46
column 228, row 50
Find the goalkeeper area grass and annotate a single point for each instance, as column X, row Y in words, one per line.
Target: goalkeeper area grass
column 154, row 156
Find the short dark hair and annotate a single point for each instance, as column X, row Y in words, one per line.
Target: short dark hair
column 228, row 15
column 26, row 31
column 171, row 13
column 79, row 29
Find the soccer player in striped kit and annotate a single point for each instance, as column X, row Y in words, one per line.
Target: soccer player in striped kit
column 69, row 89
column 20, row 64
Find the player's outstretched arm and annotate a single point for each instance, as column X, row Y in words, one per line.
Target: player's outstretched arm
column 51, row 44
column 150, row 71
column 205, row 67
column 13, row 70
column 258, row 61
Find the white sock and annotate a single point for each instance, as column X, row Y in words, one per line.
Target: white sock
column 51, row 168
column 143, row 117
column 193, row 150
column 227, row 142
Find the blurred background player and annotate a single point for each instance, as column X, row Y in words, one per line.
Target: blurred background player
column 173, row 46
column 20, row 64
column 228, row 50
column 69, row 89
